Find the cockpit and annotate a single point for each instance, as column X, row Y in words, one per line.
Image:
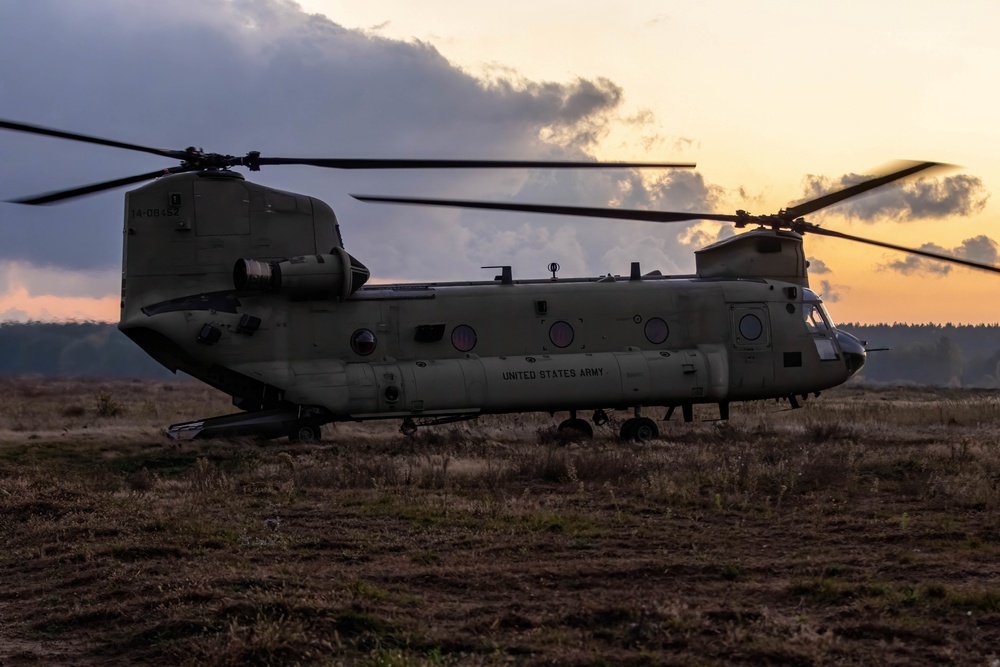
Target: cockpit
column 831, row 344
column 816, row 317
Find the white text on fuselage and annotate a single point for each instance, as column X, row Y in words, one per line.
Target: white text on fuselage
column 553, row 374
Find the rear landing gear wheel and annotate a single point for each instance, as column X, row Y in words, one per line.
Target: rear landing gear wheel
column 576, row 429
column 639, row 429
column 305, row 433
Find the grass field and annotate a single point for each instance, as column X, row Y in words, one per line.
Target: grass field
column 862, row 529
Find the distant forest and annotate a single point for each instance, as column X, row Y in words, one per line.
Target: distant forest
column 931, row 354
column 920, row 354
column 79, row 349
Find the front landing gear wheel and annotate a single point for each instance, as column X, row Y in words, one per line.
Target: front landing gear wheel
column 576, row 429
column 639, row 429
column 305, row 433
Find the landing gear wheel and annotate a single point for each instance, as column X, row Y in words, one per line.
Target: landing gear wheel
column 305, row 433
column 639, row 429
column 576, row 428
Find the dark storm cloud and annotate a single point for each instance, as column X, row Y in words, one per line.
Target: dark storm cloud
column 925, row 198
column 263, row 75
column 977, row 249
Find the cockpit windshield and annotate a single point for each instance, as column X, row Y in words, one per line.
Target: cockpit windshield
column 815, row 315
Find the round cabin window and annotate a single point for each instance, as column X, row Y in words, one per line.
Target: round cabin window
column 561, row 334
column 363, row 342
column 463, row 337
column 656, row 330
column 751, row 327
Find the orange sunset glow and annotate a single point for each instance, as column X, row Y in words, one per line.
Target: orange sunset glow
column 16, row 304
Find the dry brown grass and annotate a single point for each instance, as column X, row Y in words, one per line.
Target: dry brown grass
column 861, row 529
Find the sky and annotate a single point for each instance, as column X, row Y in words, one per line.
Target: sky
column 775, row 102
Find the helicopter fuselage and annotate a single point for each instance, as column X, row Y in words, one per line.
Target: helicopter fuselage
column 455, row 348
column 291, row 327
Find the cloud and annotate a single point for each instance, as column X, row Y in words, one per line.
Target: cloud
column 31, row 293
column 264, row 75
column 960, row 195
column 818, row 266
column 36, row 281
column 916, row 264
column 14, row 315
column 705, row 233
column 977, row 249
column 829, row 292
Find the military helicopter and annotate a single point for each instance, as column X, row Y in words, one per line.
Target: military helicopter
column 250, row 290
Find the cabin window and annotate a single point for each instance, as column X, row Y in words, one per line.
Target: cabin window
column 363, row 342
column 751, row 327
column 656, row 330
column 561, row 334
column 463, row 337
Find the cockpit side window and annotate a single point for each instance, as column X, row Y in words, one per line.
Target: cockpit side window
column 815, row 321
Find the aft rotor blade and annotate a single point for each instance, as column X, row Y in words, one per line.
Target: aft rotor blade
column 94, row 188
column 615, row 213
column 832, row 198
column 912, row 251
column 49, row 132
column 402, row 163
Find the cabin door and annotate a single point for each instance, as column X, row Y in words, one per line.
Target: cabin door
column 752, row 368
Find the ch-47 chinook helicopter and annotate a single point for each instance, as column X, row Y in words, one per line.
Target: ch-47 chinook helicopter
column 250, row 290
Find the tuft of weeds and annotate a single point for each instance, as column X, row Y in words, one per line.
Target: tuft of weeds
column 106, row 406
column 821, row 431
column 74, row 411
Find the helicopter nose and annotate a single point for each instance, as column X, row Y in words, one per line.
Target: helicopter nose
column 854, row 352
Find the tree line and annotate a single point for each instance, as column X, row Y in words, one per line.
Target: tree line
column 940, row 355
column 77, row 349
column 922, row 354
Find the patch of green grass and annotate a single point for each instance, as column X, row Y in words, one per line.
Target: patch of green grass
column 978, row 600
column 368, row 631
column 426, row 557
column 574, row 525
column 421, row 516
column 363, row 589
column 822, row 589
column 154, row 526
column 244, row 584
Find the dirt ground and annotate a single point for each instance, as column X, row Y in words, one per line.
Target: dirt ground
column 862, row 529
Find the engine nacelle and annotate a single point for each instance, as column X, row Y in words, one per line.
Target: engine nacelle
column 336, row 275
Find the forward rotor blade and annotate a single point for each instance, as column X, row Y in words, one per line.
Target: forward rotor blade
column 615, row 213
column 392, row 163
column 581, row 211
column 900, row 171
column 94, row 188
column 912, row 251
column 49, row 132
